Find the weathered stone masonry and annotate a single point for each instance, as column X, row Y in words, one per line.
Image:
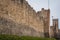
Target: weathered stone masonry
column 21, row 19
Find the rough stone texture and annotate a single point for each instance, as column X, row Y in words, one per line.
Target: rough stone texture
column 10, row 27
column 17, row 17
column 58, row 33
column 51, row 32
column 45, row 16
column 54, row 30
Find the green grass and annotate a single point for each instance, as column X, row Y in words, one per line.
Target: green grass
column 14, row 37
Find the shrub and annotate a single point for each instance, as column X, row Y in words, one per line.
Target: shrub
column 14, row 37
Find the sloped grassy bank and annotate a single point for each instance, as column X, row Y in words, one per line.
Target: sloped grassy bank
column 14, row 37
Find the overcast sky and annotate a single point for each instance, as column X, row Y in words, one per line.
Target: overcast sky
column 54, row 6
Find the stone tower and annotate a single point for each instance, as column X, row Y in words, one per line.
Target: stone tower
column 17, row 17
column 55, row 26
column 45, row 16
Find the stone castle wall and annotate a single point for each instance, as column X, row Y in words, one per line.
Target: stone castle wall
column 45, row 16
column 54, row 30
column 21, row 13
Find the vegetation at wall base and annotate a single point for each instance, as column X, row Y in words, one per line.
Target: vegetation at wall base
column 14, row 37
